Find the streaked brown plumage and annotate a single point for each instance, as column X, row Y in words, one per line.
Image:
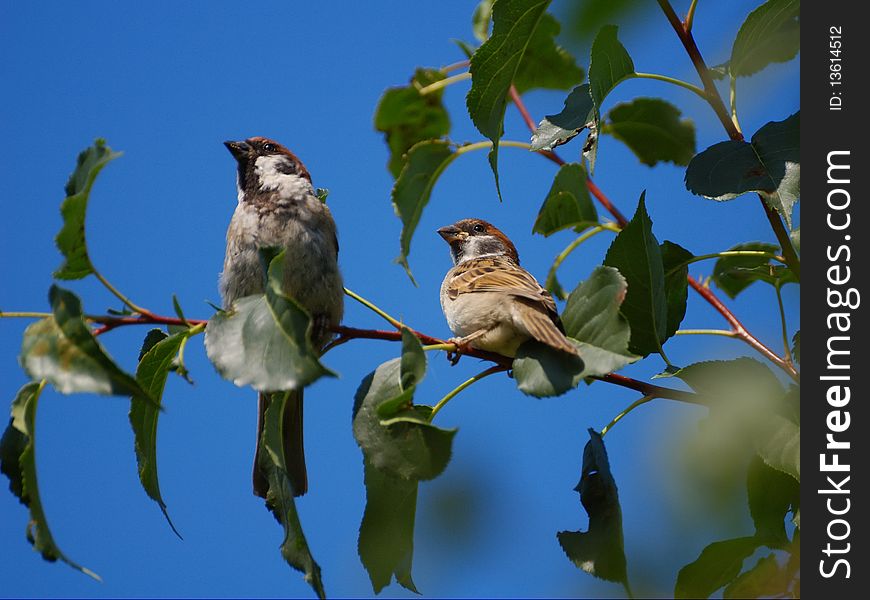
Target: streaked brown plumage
column 490, row 301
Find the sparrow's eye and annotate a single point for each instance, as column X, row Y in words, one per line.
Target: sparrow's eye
column 479, row 228
column 267, row 147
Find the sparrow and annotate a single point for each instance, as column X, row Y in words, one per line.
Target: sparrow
column 491, row 303
column 277, row 207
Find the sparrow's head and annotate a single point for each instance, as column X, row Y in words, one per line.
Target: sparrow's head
column 473, row 238
column 266, row 165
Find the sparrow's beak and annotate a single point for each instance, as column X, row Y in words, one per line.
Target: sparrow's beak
column 239, row 150
column 450, row 233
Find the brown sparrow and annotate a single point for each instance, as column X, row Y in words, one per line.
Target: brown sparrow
column 278, row 208
column 490, row 301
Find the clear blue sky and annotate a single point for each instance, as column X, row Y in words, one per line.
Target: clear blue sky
column 166, row 85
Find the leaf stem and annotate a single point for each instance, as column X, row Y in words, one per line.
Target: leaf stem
column 619, row 417
column 395, row 323
column 788, row 357
column 557, row 262
column 135, row 308
column 727, row 253
column 486, row 373
column 462, row 64
column 678, row 82
column 447, row 347
column 732, row 97
column 443, row 83
column 24, row 315
column 690, row 16
column 722, row 332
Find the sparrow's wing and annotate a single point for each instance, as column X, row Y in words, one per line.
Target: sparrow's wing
column 497, row 274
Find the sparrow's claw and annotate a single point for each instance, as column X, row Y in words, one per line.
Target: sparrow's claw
column 462, row 347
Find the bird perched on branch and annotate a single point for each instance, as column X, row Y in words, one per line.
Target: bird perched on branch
column 278, row 208
column 490, row 302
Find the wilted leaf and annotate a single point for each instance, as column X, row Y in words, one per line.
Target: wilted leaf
column 718, row 564
column 733, row 274
column 769, row 165
column 62, row 350
column 653, row 130
column 424, row 164
column 406, row 117
column 70, row 239
column 545, row 64
column 609, row 64
column 636, row 254
column 592, row 317
column 600, row 551
column 294, row 547
column 576, row 115
column 567, row 203
column 18, row 454
column 676, row 266
column 263, row 340
column 494, row 67
column 155, row 362
column 770, row 34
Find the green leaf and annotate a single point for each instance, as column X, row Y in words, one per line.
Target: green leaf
column 386, row 534
column 778, row 443
column 322, row 194
column 542, row 371
column 746, row 393
column 406, row 117
column 18, row 455
column 567, row 203
column 577, row 114
column 412, row 368
column 414, row 451
column 264, row 341
column 600, row 551
column 733, row 274
column 495, row 64
column 718, row 564
column 62, row 350
column 796, row 346
column 609, row 64
column 155, row 362
column 772, row 494
column 676, row 267
column 653, row 130
column 481, row 19
column 637, row 255
column 424, row 164
column 592, row 317
column 545, row 64
column 770, row 34
column 769, row 165
column 397, row 453
column 294, row 547
column 70, row 239
column 765, row 580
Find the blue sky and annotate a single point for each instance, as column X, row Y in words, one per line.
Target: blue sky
column 166, row 85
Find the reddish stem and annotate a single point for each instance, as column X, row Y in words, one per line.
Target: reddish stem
column 718, row 105
column 736, row 326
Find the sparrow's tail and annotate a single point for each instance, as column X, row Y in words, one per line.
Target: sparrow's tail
column 294, row 451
